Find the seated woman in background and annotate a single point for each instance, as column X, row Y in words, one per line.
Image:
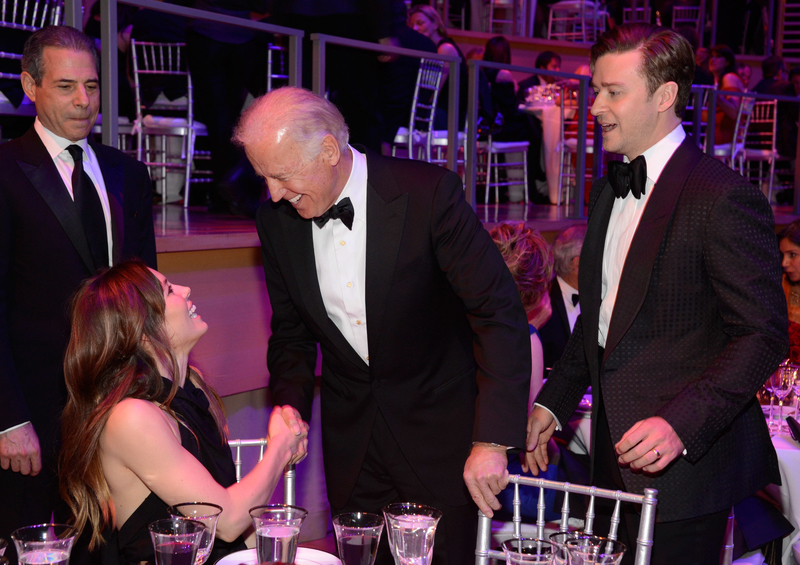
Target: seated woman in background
column 530, row 260
column 723, row 66
column 789, row 242
column 141, row 428
column 504, row 94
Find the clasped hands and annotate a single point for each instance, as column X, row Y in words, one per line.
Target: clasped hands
column 648, row 446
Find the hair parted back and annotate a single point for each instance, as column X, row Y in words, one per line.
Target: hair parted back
column 666, row 56
column 118, row 332
column 528, row 257
column 60, row 37
column 430, row 13
column 545, row 57
column 307, row 117
column 567, row 246
column 791, row 232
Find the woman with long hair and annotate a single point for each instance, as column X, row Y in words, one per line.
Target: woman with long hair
column 722, row 65
column 141, row 428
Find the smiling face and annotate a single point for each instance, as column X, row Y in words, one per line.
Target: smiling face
column 310, row 186
column 790, row 262
column 181, row 322
column 68, row 99
column 632, row 121
column 420, row 23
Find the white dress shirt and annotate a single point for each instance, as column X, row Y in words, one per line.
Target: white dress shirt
column 573, row 310
column 340, row 255
column 622, row 224
column 57, row 149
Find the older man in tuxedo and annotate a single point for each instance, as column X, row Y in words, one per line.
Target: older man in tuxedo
column 68, row 206
column 682, row 314
column 425, row 343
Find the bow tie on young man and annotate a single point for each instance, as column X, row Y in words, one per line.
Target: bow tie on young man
column 628, row 177
column 342, row 211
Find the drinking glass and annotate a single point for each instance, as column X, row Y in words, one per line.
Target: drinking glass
column 44, row 543
column 176, row 540
column 411, row 528
column 560, row 550
column 526, row 551
column 782, row 382
column 204, row 512
column 277, row 529
column 594, row 550
column 357, row 537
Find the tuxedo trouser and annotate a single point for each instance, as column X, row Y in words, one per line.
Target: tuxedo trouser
column 386, row 477
column 694, row 541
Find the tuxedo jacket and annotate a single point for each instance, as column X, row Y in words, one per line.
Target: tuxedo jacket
column 698, row 325
column 555, row 333
column 449, row 348
column 44, row 255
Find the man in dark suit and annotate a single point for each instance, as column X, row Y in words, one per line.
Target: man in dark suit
column 56, row 229
column 682, row 313
column 563, row 294
column 425, row 344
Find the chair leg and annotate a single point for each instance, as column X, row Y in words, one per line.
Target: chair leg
column 525, row 176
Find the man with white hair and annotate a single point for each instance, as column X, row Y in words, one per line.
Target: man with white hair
column 424, row 340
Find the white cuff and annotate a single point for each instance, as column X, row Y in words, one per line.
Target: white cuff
column 558, row 424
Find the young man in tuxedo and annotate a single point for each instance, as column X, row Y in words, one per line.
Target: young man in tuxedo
column 425, row 343
column 682, row 313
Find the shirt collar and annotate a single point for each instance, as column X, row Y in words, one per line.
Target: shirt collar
column 356, row 186
column 55, row 144
column 659, row 154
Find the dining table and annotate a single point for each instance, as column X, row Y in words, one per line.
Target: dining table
column 549, row 114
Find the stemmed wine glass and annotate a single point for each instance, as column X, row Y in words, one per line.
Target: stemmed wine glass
column 782, row 384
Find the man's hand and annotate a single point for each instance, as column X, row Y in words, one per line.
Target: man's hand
column 19, row 449
column 650, row 445
column 486, row 474
column 541, row 426
column 295, row 423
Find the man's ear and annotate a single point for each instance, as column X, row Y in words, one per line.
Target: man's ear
column 667, row 96
column 330, row 149
column 28, row 85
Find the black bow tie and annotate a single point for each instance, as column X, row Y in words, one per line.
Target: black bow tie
column 574, row 299
column 628, row 177
column 342, row 211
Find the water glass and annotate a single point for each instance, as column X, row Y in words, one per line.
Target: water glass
column 277, row 530
column 782, row 382
column 357, row 537
column 204, row 512
column 44, row 543
column 411, row 528
column 527, row 551
column 594, row 550
column 559, row 540
column 176, row 540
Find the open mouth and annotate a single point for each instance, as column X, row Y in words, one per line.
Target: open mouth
column 608, row 127
column 296, row 199
column 192, row 312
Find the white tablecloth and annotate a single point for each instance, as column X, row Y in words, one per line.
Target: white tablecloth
column 787, row 496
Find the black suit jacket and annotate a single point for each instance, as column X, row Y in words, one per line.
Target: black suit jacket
column 555, row 333
column 44, row 256
column 449, row 348
column 698, row 325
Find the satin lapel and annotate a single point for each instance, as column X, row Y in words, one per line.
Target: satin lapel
column 646, row 242
column 590, row 275
column 43, row 175
column 300, row 243
column 114, row 179
column 384, row 235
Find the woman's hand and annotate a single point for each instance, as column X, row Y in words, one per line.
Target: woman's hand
column 287, row 430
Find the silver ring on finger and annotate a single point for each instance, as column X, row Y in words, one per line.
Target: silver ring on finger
column 658, row 455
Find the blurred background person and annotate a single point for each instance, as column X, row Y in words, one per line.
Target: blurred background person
column 723, row 66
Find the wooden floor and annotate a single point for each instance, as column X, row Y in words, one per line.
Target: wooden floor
column 194, row 229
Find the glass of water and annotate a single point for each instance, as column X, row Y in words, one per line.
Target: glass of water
column 357, row 537
column 204, row 512
column 411, row 528
column 44, row 543
column 528, row 551
column 277, row 530
column 176, row 540
column 594, row 550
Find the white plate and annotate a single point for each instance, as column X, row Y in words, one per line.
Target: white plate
column 305, row 556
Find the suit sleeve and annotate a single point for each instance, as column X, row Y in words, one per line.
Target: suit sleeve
column 743, row 264
column 292, row 351
column 477, row 273
column 14, row 408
